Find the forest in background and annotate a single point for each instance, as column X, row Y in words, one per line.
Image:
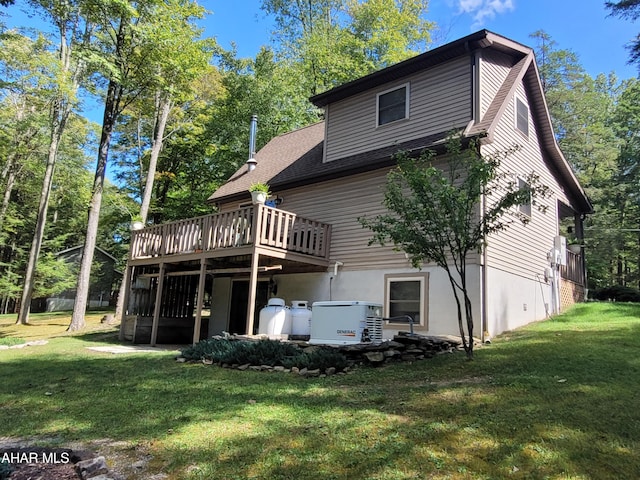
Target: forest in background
column 176, row 124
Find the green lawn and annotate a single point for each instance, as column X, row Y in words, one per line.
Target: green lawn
column 559, row 399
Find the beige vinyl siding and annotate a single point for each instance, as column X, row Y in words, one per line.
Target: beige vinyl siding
column 340, row 202
column 494, row 68
column 522, row 250
column 440, row 100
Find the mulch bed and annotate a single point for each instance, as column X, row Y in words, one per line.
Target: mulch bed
column 41, row 463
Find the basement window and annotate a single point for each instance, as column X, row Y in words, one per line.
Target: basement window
column 522, row 117
column 393, row 105
column 406, row 295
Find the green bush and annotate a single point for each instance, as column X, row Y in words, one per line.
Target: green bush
column 616, row 293
column 264, row 352
column 211, row 349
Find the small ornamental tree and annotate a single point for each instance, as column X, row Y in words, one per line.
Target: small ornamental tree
column 443, row 214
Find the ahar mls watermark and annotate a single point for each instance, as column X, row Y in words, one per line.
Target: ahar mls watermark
column 24, row 456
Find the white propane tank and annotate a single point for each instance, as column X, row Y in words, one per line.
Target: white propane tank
column 300, row 318
column 275, row 319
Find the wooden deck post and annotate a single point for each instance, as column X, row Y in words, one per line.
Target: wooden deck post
column 201, row 284
column 124, row 301
column 156, row 307
column 253, row 285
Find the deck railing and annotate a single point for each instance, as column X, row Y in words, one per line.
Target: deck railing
column 275, row 228
column 574, row 269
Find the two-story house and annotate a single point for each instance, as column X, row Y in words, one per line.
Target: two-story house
column 213, row 273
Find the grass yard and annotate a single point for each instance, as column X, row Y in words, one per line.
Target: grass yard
column 558, row 400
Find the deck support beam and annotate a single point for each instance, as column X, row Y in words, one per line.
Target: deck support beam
column 253, row 285
column 201, row 285
column 157, row 306
column 124, row 301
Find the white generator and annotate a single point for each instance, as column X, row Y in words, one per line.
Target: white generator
column 345, row 322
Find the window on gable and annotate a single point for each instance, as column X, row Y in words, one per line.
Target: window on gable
column 393, row 105
column 522, row 117
column 406, row 295
column 524, row 208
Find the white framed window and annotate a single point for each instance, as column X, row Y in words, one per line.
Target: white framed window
column 407, row 294
column 522, row 117
column 392, row 105
column 524, row 208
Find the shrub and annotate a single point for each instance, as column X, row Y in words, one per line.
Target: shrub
column 211, row 349
column 616, row 293
column 264, row 352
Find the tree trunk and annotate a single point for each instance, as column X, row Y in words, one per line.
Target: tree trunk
column 111, row 110
column 164, row 108
column 8, row 188
column 60, row 112
column 59, row 120
column 162, row 115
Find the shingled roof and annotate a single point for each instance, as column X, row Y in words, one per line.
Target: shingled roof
column 296, row 158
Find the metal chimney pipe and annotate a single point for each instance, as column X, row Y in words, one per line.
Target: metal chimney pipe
column 251, row 163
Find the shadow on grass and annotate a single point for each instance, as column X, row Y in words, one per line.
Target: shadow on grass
column 560, row 403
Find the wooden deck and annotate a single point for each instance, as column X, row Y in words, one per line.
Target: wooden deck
column 574, row 269
column 272, row 230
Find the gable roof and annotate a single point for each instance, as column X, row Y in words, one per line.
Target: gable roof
column 526, row 71
column 296, row 158
column 455, row 49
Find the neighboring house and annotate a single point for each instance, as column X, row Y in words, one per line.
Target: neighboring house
column 102, row 289
column 323, row 177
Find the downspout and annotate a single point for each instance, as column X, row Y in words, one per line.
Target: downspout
column 484, row 335
column 475, row 113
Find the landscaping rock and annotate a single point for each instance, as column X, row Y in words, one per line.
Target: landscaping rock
column 404, row 347
column 375, row 357
column 92, row 468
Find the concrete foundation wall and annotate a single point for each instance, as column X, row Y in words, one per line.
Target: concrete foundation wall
column 366, row 286
column 514, row 301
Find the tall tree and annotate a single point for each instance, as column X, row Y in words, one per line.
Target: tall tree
column 333, row 41
column 435, row 214
column 629, row 9
column 131, row 61
column 22, row 109
column 180, row 58
column 583, row 110
column 63, row 89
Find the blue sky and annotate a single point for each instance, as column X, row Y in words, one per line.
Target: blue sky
column 582, row 26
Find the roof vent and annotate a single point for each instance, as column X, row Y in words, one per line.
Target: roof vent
column 251, row 163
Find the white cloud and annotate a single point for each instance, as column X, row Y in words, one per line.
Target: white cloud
column 483, row 10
